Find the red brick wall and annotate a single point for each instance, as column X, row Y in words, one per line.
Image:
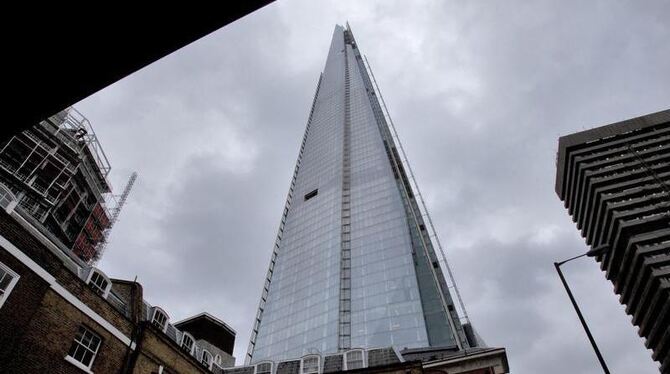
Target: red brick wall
column 19, row 307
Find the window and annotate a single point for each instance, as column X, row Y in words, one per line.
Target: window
column 187, row 342
column 206, row 359
column 218, row 360
column 99, row 282
column 310, row 365
column 354, row 359
column 8, row 280
column 84, row 348
column 7, row 198
column 311, row 194
column 264, row 368
column 160, row 319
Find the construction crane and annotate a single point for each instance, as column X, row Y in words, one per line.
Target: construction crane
column 114, row 216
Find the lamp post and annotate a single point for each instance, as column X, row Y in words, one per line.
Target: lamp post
column 591, row 253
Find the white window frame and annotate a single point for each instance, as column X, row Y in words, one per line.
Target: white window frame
column 10, row 286
column 202, row 359
column 89, row 278
column 76, row 362
column 8, row 200
column 156, row 310
column 346, row 358
column 181, row 343
column 272, row 366
column 318, row 364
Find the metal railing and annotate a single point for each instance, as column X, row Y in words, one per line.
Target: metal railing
column 118, row 303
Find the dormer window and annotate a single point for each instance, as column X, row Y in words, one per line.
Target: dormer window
column 99, row 282
column 7, row 198
column 264, row 368
column 310, row 365
column 187, row 342
column 206, row 359
column 8, row 280
column 160, row 319
column 354, row 359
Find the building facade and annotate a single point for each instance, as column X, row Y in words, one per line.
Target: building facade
column 58, row 317
column 355, row 264
column 614, row 181
column 59, row 313
column 388, row 360
column 57, row 172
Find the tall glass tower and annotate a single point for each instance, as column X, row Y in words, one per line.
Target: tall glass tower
column 354, row 264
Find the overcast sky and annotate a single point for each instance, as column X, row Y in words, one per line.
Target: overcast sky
column 479, row 92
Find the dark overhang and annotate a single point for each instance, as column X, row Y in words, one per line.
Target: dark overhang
column 57, row 55
column 213, row 330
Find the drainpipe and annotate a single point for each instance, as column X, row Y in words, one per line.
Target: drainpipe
column 137, row 337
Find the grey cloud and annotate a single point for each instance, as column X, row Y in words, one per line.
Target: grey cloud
column 479, row 93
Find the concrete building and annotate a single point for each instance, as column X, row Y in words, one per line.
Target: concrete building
column 357, row 265
column 57, row 172
column 614, row 182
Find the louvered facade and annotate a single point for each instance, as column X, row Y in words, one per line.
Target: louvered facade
column 614, row 181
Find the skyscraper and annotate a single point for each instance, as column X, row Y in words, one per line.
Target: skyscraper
column 354, row 263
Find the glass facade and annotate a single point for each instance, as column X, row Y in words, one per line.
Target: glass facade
column 350, row 267
column 386, row 307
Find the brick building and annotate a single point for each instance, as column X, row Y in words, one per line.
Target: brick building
column 58, row 316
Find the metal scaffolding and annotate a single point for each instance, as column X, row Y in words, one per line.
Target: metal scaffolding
column 58, row 172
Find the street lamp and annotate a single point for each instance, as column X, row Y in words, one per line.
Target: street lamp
column 597, row 251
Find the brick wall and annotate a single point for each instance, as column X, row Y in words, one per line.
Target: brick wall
column 38, row 326
column 157, row 349
column 47, row 339
column 19, row 307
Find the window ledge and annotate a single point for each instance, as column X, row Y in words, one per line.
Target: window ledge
column 78, row 364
